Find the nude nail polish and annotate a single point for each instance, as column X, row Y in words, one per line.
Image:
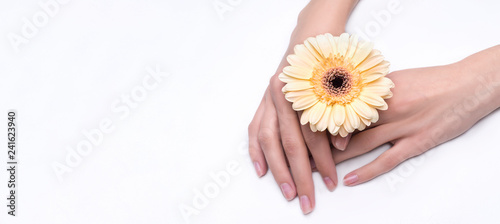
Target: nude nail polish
column 350, row 179
column 287, row 191
column 305, row 204
column 258, row 169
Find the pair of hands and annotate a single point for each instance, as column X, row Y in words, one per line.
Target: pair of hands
column 430, row 106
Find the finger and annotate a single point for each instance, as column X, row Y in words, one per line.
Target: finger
column 318, row 145
column 294, row 146
column 269, row 140
column 368, row 140
column 340, row 142
column 256, row 153
column 401, row 151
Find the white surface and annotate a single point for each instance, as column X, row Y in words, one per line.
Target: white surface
column 68, row 76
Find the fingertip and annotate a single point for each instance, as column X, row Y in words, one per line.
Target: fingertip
column 351, row 179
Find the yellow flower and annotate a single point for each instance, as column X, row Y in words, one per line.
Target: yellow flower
column 338, row 83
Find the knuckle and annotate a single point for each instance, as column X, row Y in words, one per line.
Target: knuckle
column 289, row 145
column 275, row 83
column 265, row 136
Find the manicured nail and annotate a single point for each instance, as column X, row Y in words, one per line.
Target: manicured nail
column 329, row 183
column 350, row 179
column 341, row 143
column 305, row 204
column 287, row 191
column 258, row 169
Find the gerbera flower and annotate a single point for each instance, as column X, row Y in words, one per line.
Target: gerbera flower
column 338, row 83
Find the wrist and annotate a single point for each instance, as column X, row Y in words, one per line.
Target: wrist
column 484, row 67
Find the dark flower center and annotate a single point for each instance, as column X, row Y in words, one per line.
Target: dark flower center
column 337, row 81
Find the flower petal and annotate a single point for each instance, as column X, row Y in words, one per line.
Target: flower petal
column 372, row 76
column 370, row 63
column 298, row 72
column 352, row 116
column 304, row 118
column 371, row 99
column 313, row 127
column 343, row 44
column 299, row 85
column 305, row 102
column 332, row 127
column 324, row 45
column 295, row 95
column 317, row 112
column 285, row 78
column 304, row 54
column 313, row 47
column 361, row 108
column 343, row 133
column 323, row 122
column 375, row 115
column 364, row 48
column 338, row 114
column 353, row 45
column 297, row 61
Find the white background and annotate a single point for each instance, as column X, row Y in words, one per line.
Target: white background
column 70, row 75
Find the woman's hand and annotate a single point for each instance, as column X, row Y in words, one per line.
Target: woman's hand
column 430, row 106
column 275, row 134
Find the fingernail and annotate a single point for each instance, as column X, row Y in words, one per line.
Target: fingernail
column 350, row 179
column 287, row 191
column 305, row 204
column 258, row 169
column 341, row 143
column 329, row 183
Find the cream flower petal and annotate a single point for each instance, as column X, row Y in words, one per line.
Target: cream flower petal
column 353, row 45
column 377, row 90
column 362, row 126
column 343, row 133
column 370, row 63
column 372, row 100
column 382, row 67
column 366, row 122
column 384, row 106
column 323, row 122
column 304, row 102
column 298, row 85
column 324, row 46
column 285, row 78
column 352, row 116
column 372, row 76
column 295, row 95
column 361, row 108
column 338, row 114
column 316, row 112
column 312, row 45
column 375, row 115
column 332, row 127
column 343, row 44
column 382, row 82
column 298, row 72
column 364, row 48
column 313, row 127
column 334, row 43
column 296, row 61
column 304, row 54
column 304, row 118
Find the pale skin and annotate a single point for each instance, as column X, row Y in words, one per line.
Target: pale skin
column 430, row 106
